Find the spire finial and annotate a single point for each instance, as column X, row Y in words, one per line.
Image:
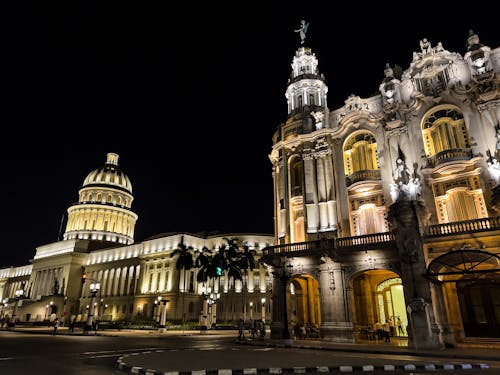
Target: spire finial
column 302, row 30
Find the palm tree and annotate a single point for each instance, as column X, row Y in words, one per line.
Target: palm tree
column 246, row 262
column 184, row 262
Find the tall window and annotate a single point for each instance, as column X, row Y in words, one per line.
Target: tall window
column 296, row 176
column 297, row 224
column 444, row 129
column 360, row 153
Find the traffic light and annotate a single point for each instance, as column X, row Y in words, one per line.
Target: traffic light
column 84, row 277
column 219, row 271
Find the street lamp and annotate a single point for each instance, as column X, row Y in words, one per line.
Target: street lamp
column 19, row 294
column 4, row 303
column 263, row 303
column 46, row 312
column 94, row 288
column 163, row 320
column 212, row 306
column 251, row 310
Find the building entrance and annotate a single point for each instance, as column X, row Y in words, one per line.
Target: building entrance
column 378, row 297
column 304, row 306
column 480, row 307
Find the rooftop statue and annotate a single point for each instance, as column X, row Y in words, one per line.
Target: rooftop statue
column 302, row 30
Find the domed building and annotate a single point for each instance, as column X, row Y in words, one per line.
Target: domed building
column 386, row 209
column 98, row 249
column 103, row 211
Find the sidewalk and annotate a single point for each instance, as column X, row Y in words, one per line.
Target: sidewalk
column 155, row 363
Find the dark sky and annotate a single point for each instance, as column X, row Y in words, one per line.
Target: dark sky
column 188, row 95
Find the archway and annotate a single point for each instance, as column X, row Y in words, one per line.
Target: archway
column 476, row 274
column 378, row 296
column 304, row 305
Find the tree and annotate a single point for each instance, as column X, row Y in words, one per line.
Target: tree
column 246, row 262
column 184, row 262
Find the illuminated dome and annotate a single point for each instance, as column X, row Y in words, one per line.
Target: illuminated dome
column 109, row 174
column 104, row 208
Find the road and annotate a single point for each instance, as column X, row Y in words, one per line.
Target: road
column 22, row 353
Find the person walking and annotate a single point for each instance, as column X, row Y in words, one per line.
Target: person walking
column 72, row 325
column 241, row 329
column 56, row 326
column 387, row 331
column 391, row 326
column 399, row 324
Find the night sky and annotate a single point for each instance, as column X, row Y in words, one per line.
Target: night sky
column 188, row 95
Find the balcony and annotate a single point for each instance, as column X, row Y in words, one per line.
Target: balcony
column 452, row 154
column 367, row 174
column 377, row 241
column 462, row 227
column 365, row 242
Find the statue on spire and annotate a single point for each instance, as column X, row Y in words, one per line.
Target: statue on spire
column 302, row 30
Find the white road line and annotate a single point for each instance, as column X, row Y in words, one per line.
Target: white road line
column 123, row 350
column 106, row 355
column 6, row 358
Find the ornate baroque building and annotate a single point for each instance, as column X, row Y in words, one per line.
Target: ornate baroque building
column 387, row 207
column 99, row 242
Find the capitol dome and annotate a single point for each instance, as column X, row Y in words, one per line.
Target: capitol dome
column 109, row 174
column 104, row 208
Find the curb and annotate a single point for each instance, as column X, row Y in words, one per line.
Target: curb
column 436, row 354
column 298, row 370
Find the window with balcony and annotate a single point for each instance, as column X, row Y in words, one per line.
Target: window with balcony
column 445, row 135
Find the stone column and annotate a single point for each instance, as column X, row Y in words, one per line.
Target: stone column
column 335, row 323
column 446, row 335
column 423, row 332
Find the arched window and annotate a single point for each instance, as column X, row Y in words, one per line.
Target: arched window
column 297, row 223
column 443, row 128
column 296, row 177
column 99, row 197
column 360, row 153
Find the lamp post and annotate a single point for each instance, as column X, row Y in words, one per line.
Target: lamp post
column 4, row 303
column 263, row 313
column 19, row 294
column 212, row 305
column 163, row 320
column 94, row 288
column 251, row 310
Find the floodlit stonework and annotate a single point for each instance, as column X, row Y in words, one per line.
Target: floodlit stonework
column 386, row 209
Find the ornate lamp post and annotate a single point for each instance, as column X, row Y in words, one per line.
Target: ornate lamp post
column 19, row 295
column 163, row 319
column 212, row 305
column 251, row 310
column 94, row 288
